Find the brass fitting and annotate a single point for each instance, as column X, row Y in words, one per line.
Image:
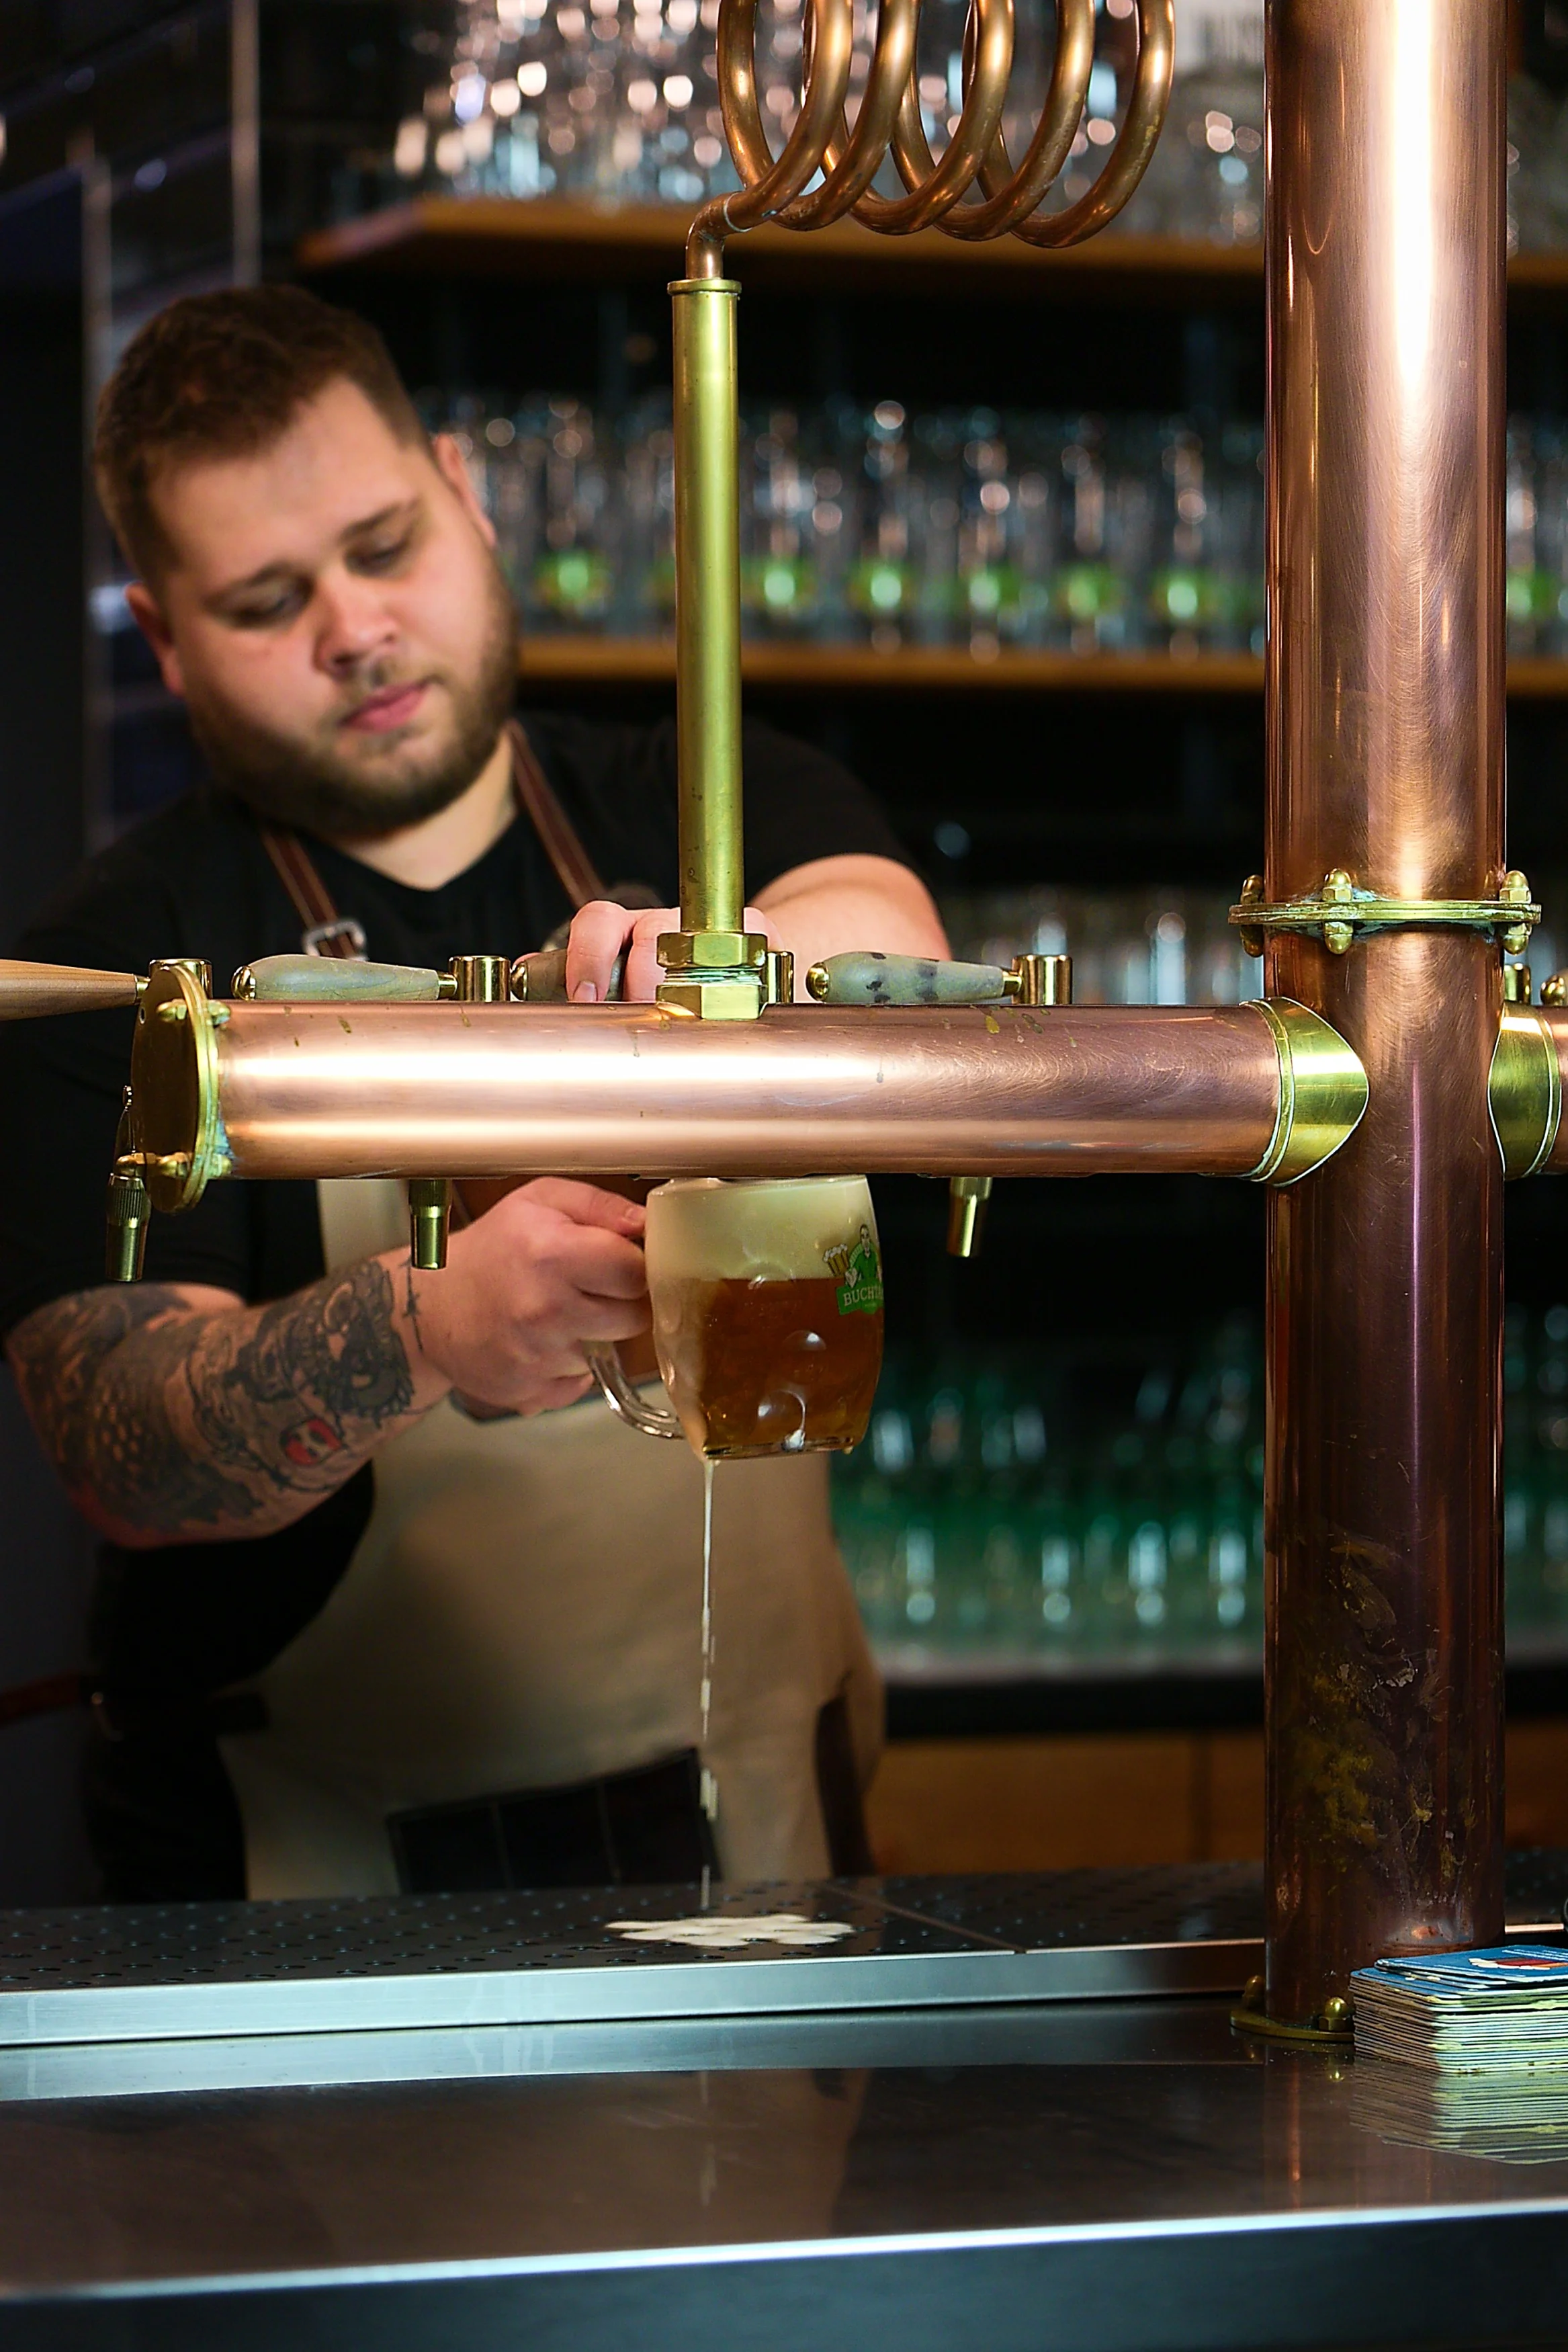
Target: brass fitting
column 1524, row 1088
column 1032, row 979
column 128, row 1208
column 429, row 1222
column 174, row 1129
column 472, row 979
column 1323, row 1092
column 718, row 975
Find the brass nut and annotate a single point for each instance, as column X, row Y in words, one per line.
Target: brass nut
column 1335, row 2016
column 1337, row 938
column 711, row 951
column 738, row 998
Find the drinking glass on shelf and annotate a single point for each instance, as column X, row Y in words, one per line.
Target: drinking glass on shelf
column 648, row 493
column 1204, row 180
column 780, row 585
column 572, row 583
column 883, row 583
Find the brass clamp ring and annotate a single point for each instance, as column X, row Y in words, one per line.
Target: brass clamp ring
column 1339, row 911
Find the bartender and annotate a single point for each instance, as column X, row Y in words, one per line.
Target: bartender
column 385, row 1597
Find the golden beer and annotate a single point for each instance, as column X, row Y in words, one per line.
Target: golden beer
column 767, row 1311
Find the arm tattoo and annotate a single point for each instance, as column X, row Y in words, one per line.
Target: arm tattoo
column 174, row 1423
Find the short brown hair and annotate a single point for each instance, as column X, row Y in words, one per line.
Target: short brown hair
column 223, row 375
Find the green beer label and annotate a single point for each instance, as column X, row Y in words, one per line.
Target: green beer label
column 857, row 1269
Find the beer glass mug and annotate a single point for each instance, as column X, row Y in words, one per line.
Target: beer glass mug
column 767, row 1314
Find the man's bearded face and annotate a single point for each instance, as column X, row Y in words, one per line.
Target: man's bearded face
column 337, row 623
column 326, row 782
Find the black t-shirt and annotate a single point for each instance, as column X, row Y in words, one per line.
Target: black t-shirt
column 174, row 1623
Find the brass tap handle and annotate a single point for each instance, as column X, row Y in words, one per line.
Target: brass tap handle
column 865, row 977
column 29, row 992
column 328, row 979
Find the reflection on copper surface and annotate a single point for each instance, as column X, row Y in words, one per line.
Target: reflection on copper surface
column 1554, row 1022
column 1386, row 253
column 498, row 1090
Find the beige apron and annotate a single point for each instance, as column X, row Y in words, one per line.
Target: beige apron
column 522, row 1611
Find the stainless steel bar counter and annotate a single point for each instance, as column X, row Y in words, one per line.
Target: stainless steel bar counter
column 806, row 2138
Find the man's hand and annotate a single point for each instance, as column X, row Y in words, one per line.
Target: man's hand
column 600, row 930
column 552, row 1265
column 815, row 910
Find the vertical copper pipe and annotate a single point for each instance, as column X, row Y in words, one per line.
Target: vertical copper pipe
column 1385, row 716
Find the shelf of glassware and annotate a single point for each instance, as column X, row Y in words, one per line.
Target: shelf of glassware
column 508, row 235
column 580, row 657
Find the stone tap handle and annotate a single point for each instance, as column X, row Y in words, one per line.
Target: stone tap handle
column 328, row 979
column 864, row 977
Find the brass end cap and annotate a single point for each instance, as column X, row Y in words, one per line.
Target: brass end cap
column 1323, row 1092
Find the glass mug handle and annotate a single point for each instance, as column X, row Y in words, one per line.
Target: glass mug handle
column 603, row 1360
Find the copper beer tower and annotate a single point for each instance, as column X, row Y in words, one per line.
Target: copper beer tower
column 1382, row 1089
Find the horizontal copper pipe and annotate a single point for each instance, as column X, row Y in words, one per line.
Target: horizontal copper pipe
column 498, row 1090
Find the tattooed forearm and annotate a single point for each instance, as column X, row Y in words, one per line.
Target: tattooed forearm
column 166, row 1423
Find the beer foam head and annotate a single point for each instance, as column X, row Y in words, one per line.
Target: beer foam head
column 708, row 1228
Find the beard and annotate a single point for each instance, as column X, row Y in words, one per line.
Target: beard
column 319, row 790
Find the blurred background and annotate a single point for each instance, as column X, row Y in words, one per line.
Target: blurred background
column 1003, row 553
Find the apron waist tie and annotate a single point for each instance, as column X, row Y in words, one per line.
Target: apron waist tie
column 640, row 1827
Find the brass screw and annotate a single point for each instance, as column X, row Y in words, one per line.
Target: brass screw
column 1513, row 890
column 1338, row 891
column 1253, row 941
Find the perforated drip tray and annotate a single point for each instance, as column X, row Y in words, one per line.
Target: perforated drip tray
column 181, row 1971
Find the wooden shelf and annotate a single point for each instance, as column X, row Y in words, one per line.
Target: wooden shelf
column 500, row 237
column 585, row 660
column 570, row 660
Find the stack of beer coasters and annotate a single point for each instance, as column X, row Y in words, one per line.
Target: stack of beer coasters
column 1501, row 2009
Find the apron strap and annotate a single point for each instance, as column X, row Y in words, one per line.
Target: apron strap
column 559, row 837
column 326, row 933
